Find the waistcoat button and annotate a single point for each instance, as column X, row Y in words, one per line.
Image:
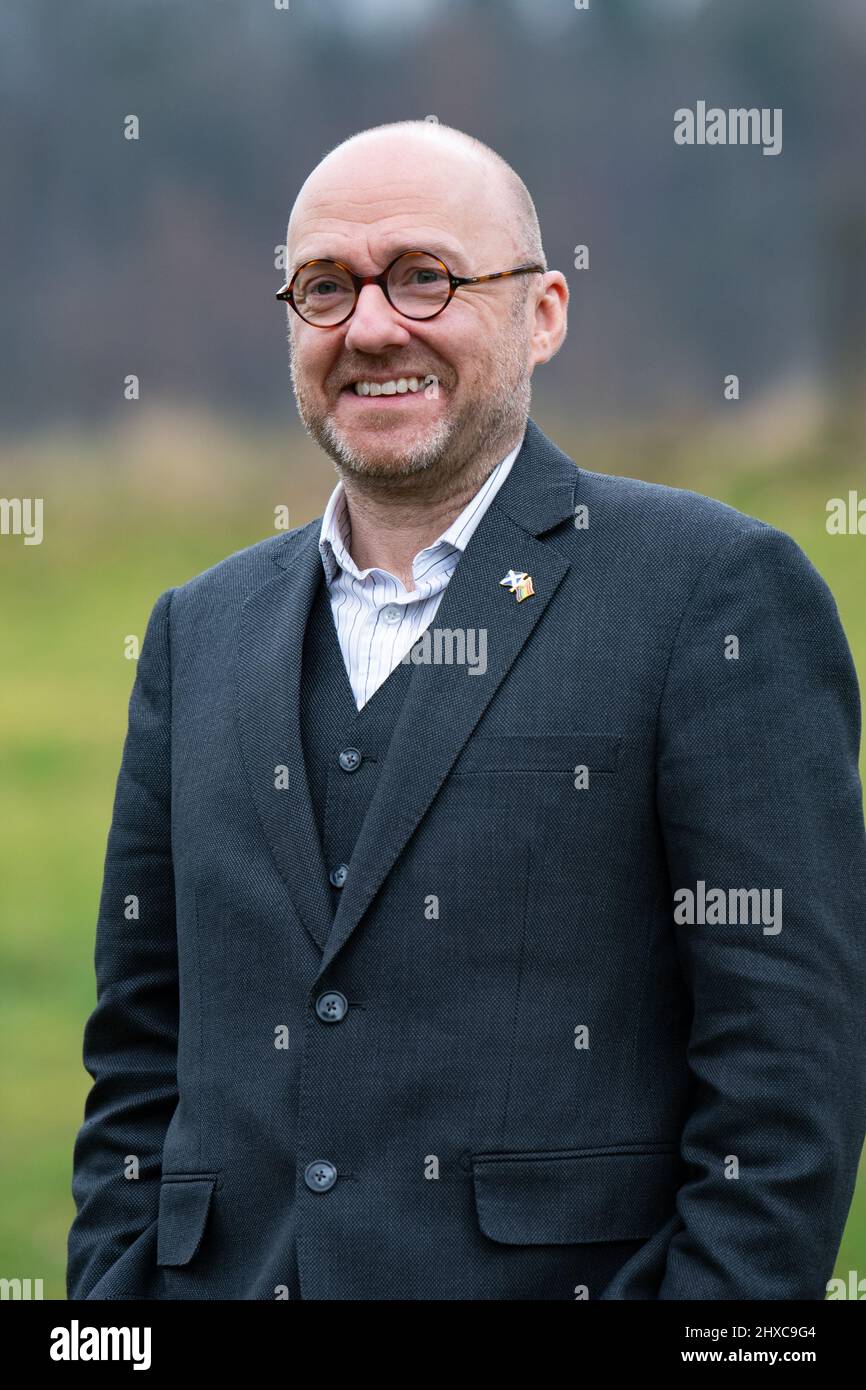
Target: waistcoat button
column 339, row 875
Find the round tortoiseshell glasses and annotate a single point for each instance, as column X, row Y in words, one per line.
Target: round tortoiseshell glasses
column 416, row 283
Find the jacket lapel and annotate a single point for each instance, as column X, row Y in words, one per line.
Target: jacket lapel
column 444, row 703
column 267, row 676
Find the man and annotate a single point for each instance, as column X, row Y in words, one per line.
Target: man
column 484, row 898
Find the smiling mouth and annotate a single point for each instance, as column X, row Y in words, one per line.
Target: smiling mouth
column 393, row 386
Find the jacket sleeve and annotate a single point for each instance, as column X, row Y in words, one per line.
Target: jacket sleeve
column 130, row 1039
column 758, row 787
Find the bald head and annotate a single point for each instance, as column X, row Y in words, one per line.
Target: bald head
column 480, row 172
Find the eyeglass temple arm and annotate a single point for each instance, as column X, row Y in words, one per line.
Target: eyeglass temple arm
column 498, row 275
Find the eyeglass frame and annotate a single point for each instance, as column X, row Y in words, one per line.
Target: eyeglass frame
column 455, row 282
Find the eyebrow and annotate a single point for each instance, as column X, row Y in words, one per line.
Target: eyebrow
column 452, row 256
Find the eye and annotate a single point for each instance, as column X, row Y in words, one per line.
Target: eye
column 426, row 276
column 323, row 288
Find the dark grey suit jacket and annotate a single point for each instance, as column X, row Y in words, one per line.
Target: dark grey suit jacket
column 547, row 1084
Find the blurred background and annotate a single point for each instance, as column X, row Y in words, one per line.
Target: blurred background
column 159, row 257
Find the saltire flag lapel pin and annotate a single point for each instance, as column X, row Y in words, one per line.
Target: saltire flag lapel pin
column 519, row 583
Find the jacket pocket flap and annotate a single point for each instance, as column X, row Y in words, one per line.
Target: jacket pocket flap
column 184, row 1204
column 575, row 1197
column 540, row 753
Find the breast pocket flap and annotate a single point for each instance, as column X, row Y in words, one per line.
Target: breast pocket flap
column 540, row 753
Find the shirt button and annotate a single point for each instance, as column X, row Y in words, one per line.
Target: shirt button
column 332, row 1006
column 339, row 875
column 320, row 1175
column 350, row 759
column 391, row 613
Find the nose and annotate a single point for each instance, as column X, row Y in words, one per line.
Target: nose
column 375, row 326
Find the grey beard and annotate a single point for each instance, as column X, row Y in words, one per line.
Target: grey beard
column 422, row 454
column 494, row 425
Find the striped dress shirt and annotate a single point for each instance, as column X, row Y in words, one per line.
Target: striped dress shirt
column 376, row 618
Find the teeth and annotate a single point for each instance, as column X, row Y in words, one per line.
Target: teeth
column 399, row 387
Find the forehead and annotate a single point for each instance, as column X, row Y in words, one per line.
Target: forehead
column 372, row 199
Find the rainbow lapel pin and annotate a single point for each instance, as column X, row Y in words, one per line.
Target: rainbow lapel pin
column 518, row 583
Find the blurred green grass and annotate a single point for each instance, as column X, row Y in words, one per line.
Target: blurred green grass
column 128, row 513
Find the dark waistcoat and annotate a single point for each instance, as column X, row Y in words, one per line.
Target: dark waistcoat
column 344, row 747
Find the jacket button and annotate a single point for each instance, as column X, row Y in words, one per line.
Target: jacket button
column 332, row 1006
column 350, row 759
column 320, row 1175
column 339, row 875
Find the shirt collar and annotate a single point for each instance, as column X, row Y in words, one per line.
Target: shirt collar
column 334, row 532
